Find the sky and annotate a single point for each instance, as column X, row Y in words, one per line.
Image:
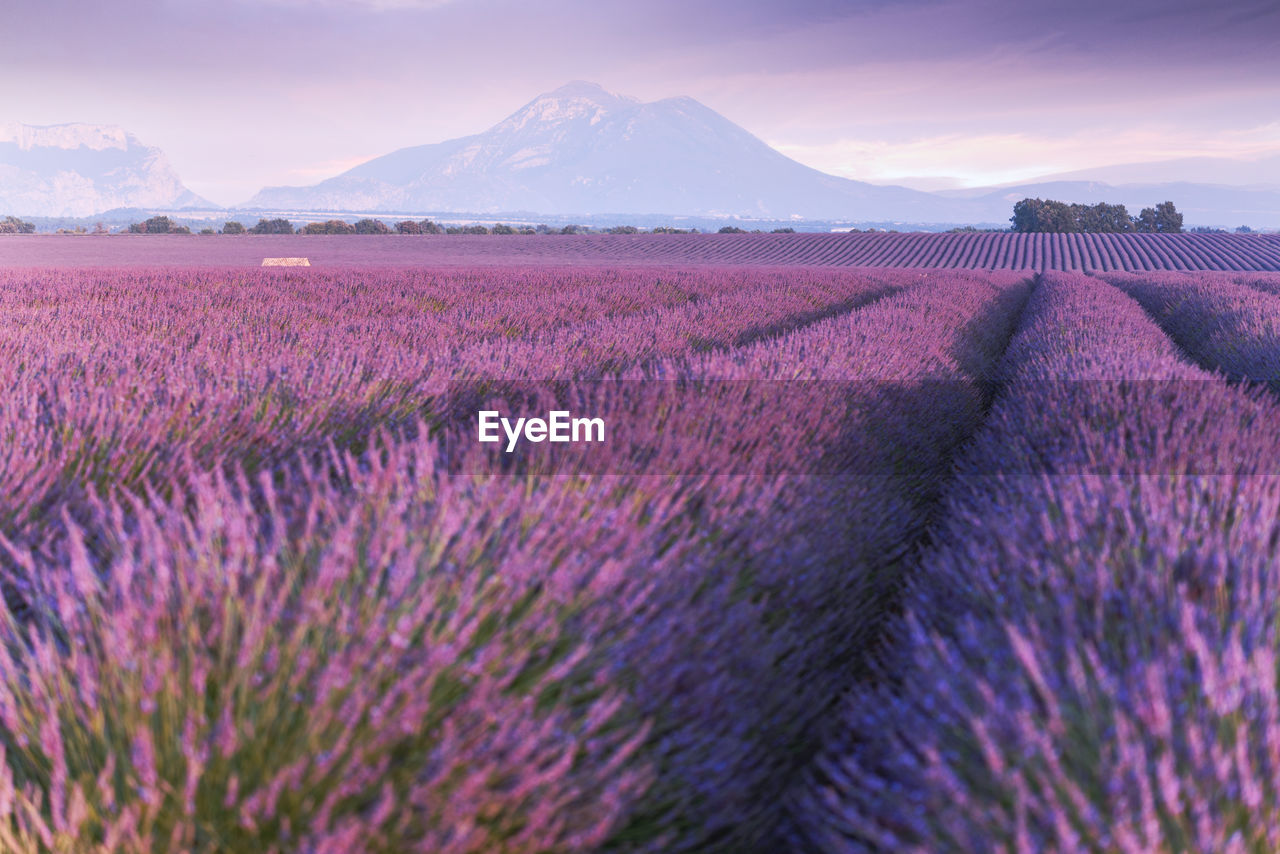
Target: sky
column 931, row 93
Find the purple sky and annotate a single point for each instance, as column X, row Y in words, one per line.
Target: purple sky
column 927, row 92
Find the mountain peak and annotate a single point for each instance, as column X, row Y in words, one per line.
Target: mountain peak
column 82, row 170
column 581, row 149
column 65, row 136
column 577, row 101
column 587, row 91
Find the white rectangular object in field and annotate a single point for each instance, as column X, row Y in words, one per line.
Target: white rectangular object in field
column 285, row 262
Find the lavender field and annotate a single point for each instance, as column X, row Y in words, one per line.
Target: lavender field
column 971, row 546
column 967, row 251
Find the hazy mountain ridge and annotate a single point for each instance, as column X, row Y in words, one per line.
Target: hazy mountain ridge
column 581, row 149
column 1209, row 204
column 84, row 169
column 1261, row 173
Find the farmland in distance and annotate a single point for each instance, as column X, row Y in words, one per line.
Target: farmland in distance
column 981, row 251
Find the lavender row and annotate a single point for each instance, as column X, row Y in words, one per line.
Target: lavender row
column 1222, row 324
column 748, row 307
column 1268, row 282
column 1098, row 671
column 361, row 653
column 989, row 250
column 112, row 379
column 738, row 667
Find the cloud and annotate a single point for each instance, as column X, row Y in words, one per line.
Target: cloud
column 985, row 159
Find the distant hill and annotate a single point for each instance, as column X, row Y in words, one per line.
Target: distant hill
column 1261, row 173
column 588, row 155
column 81, row 170
column 583, row 150
column 1206, row 204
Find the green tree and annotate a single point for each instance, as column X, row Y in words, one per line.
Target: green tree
column 154, row 225
column 731, row 229
column 332, row 226
column 272, row 226
column 1048, row 215
column 408, row 226
column 1162, row 219
column 13, row 225
column 233, row 228
column 1102, row 218
column 1043, row 215
column 1168, row 220
column 372, row 226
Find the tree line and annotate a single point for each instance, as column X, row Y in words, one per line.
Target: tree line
column 1029, row 215
column 1048, row 215
column 164, row 225
column 13, row 225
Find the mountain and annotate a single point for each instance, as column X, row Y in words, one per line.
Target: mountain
column 1258, row 172
column 583, row 150
column 82, row 169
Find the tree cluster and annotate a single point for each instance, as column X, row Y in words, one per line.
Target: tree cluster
column 1050, row 216
column 162, row 225
column 13, row 225
column 733, row 229
column 337, row 226
column 333, row 226
column 158, row 225
column 272, row 226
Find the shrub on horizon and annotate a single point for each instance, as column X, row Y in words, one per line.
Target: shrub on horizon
column 158, row 225
column 371, row 226
column 13, row 225
column 272, row 226
column 333, row 226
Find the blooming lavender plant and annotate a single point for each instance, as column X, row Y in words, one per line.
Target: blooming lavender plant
column 1222, row 324
column 240, row 616
column 1087, row 659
